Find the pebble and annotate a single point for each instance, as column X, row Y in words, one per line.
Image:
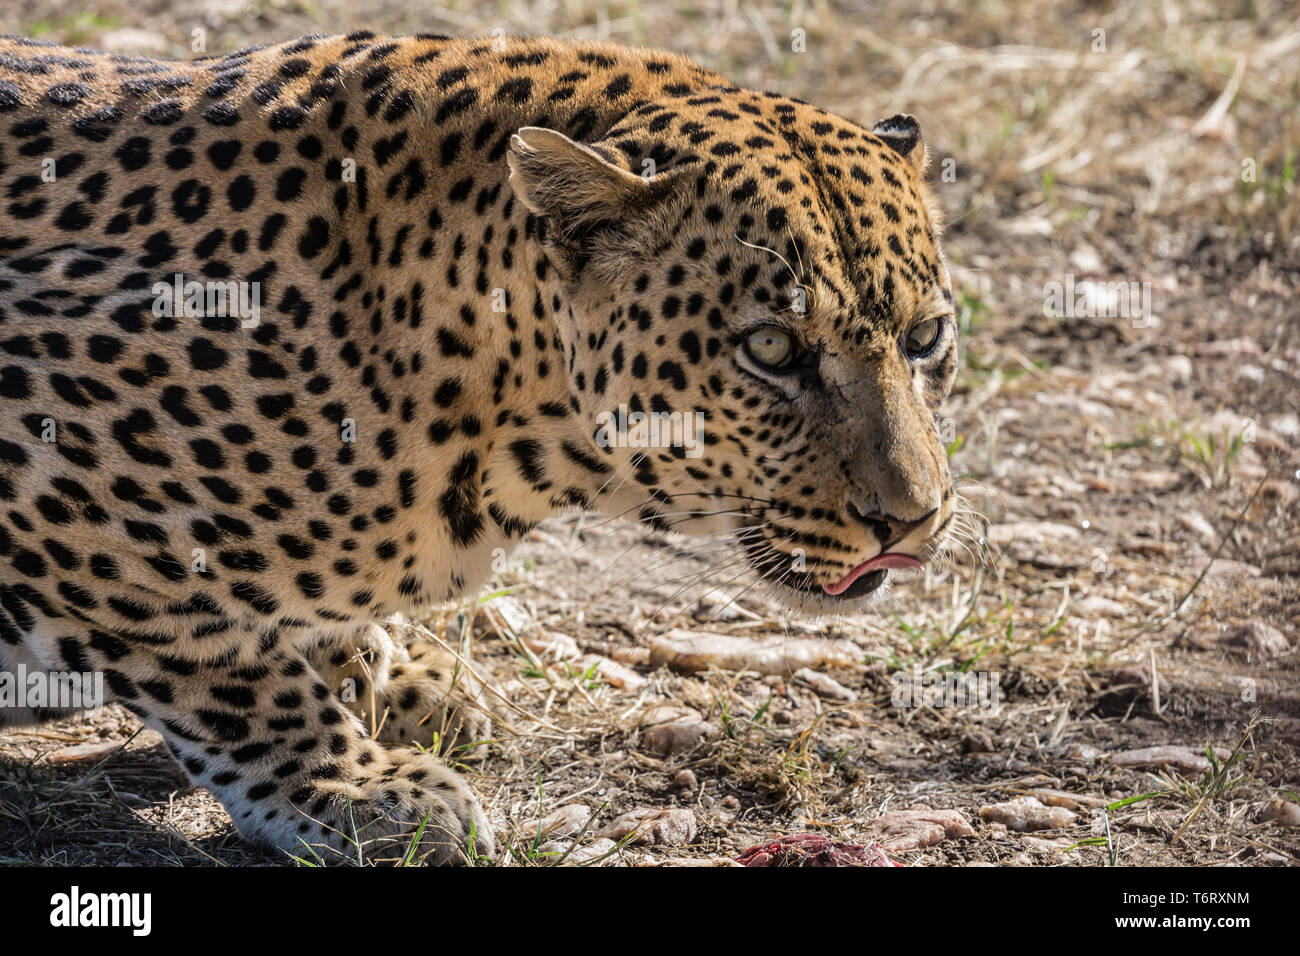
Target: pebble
column 706, row 612
column 977, row 742
column 513, row 614
column 1094, row 605
column 1225, row 568
column 566, row 821
column 1156, row 479
column 1260, row 639
column 1084, row 752
column 697, row 861
column 84, row 753
column 825, row 685
column 1197, row 523
column 1281, row 811
column 612, row 672
column 652, row 825
column 662, row 713
column 912, row 829
column 690, row 652
column 1040, row 531
column 550, row 646
column 1230, row 348
column 592, row 851
column 1071, row 801
column 1045, row 843
column 1190, row 759
column 1027, row 813
column 675, row 737
column 685, row 780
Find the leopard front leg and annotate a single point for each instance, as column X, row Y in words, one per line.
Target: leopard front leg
column 406, row 688
column 295, row 769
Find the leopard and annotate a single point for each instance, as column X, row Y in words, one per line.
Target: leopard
column 297, row 340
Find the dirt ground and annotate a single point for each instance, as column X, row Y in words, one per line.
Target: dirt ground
column 1132, row 579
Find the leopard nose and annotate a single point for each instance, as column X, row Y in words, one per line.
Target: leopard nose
column 888, row 529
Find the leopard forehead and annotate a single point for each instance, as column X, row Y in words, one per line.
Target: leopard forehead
column 852, row 212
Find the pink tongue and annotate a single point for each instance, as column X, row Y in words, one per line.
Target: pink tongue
column 886, row 560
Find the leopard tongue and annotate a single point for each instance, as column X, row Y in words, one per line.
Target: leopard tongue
column 887, row 560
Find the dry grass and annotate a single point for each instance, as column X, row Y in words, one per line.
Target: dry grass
column 1121, row 444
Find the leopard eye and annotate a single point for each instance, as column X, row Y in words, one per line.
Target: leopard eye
column 770, row 347
column 921, row 337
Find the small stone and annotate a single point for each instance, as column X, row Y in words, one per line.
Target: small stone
column 1260, row 639
column 1094, row 605
column 566, row 821
column 912, row 829
column 1189, row 759
column 1226, row 568
column 631, row 656
column 685, row 780
column 652, row 825
column 550, row 646
column 513, row 614
column 1196, row 523
column 1084, row 752
column 729, row 802
column 1045, row 843
column 825, row 685
column 1230, row 348
column 84, row 753
column 1179, row 369
column 678, row 736
column 1280, row 811
column 1071, row 801
column 690, row 652
column 1155, row 479
column 1037, row 531
column 663, row 713
column 698, row 861
column 590, row 853
column 707, row 612
column 1026, row 813
column 611, row 672
column 1084, row 258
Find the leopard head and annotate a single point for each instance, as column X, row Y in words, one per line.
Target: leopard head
column 764, row 282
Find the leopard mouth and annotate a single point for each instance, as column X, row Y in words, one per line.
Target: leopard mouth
column 861, row 586
column 772, row 566
column 809, row 589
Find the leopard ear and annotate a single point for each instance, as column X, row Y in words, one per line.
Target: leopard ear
column 571, row 184
column 902, row 134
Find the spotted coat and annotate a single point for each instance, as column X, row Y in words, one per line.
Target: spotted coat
column 463, row 253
